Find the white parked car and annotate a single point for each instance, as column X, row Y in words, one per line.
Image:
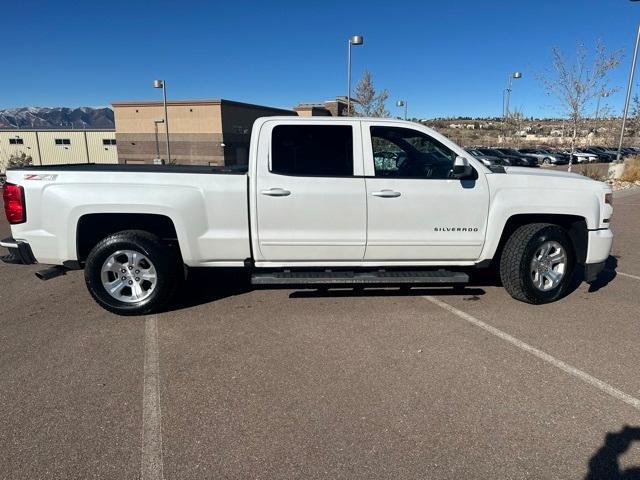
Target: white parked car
column 333, row 201
column 582, row 157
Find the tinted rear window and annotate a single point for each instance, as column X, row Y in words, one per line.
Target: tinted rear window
column 312, row 150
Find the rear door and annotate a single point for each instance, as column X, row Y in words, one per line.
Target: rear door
column 311, row 199
column 416, row 211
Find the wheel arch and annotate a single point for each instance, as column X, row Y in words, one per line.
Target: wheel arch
column 575, row 225
column 93, row 227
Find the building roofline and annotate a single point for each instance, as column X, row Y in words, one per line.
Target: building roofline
column 214, row 101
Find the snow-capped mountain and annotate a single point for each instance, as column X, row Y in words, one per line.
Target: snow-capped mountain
column 57, row 117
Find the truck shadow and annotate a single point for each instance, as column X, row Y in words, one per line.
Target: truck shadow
column 473, row 293
column 604, row 464
column 606, row 276
column 205, row 285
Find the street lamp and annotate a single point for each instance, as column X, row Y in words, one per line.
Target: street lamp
column 354, row 40
column 402, row 103
column 628, row 98
column 162, row 84
column 507, row 93
column 595, row 126
column 157, row 160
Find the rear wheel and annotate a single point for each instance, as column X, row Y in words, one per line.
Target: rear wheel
column 132, row 273
column 537, row 263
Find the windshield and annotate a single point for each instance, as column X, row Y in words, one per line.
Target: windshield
column 490, row 151
column 510, row 151
column 474, row 152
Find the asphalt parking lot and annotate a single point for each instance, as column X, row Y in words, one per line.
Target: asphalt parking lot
column 235, row 383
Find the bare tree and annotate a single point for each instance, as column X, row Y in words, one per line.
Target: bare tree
column 575, row 84
column 367, row 102
column 515, row 124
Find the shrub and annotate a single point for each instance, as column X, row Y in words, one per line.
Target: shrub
column 18, row 160
column 631, row 170
column 593, row 171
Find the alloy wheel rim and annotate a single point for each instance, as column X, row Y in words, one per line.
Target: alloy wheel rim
column 548, row 266
column 129, row 276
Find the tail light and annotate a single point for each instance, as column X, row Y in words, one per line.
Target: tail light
column 14, row 207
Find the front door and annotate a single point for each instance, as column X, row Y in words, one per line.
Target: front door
column 311, row 199
column 416, row 211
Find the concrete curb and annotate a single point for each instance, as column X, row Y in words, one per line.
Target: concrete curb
column 626, row 192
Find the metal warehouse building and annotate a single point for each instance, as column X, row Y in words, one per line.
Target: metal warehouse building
column 50, row 147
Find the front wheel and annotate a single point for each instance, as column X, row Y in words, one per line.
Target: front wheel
column 537, row 263
column 132, row 273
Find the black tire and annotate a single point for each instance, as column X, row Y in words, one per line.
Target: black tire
column 515, row 262
column 164, row 259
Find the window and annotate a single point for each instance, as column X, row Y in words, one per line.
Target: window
column 108, row 141
column 63, row 141
column 16, row 141
column 308, row 150
column 406, row 153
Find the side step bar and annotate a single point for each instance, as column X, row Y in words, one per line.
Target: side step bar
column 380, row 277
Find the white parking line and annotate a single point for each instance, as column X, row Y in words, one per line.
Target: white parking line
column 627, row 275
column 585, row 377
column 151, row 464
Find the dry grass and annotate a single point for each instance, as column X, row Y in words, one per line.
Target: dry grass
column 631, row 170
column 593, row 171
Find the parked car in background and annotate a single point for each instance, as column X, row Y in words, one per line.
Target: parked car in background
column 602, row 154
column 512, row 152
column 543, row 156
column 561, row 155
column 487, row 160
column 580, row 156
column 513, row 160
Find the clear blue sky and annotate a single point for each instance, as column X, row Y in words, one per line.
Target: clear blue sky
column 446, row 57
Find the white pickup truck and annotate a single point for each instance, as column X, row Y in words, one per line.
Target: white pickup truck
column 323, row 201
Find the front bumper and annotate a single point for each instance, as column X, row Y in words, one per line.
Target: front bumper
column 19, row 252
column 599, row 246
column 592, row 270
column 598, row 251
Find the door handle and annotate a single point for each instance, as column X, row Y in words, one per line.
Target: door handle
column 386, row 194
column 276, row 192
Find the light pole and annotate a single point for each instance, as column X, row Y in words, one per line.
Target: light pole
column 155, row 125
column 628, row 98
column 402, row 103
column 507, row 93
column 354, row 40
column 506, row 96
column 162, row 84
column 595, row 123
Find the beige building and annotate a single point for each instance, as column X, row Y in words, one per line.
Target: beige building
column 50, row 147
column 330, row 108
column 204, row 132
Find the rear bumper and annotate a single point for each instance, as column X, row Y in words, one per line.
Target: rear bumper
column 19, row 252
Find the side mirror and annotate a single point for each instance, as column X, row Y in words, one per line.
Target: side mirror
column 461, row 168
